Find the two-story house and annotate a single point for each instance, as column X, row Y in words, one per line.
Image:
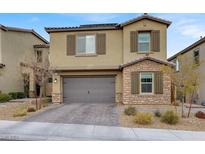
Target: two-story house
column 105, row 63
column 15, row 45
column 195, row 53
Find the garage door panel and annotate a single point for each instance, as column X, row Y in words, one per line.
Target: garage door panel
column 89, row 89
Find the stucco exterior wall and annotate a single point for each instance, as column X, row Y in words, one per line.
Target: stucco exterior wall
column 15, row 45
column 57, row 93
column 129, row 98
column 58, row 47
column 189, row 56
column 0, row 48
column 140, row 26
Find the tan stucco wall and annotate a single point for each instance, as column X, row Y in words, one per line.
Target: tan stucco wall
column 140, row 26
column 112, row 57
column 189, row 56
column 15, row 45
column 58, row 86
column 0, row 48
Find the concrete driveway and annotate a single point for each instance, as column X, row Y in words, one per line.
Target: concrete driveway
column 80, row 113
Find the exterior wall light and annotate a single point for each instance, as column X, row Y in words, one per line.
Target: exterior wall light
column 55, row 80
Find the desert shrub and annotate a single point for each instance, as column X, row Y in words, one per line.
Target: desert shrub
column 143, row 118
column 170, row 117
column 20, row 113
column 130, row 111
column 17, row 95
column 157, row 113
column 31, row 109
column 45, row 102
column 176, row 103
column 4, row 98
column 200, row 115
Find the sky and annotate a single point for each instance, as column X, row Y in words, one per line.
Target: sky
column 184, row 30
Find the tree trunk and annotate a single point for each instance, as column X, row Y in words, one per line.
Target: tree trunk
column 190, row 104
column 183, row 107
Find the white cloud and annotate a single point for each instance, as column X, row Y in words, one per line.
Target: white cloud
column 191, row 28
column 34, row 19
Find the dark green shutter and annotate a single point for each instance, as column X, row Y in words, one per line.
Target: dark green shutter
column 71, row 41
column 158, row 83
column 133, row 41
column 135, row 83
column 155, row 40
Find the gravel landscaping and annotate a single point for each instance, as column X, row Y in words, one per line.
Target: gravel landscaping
column 8, row 110
column 191, row 123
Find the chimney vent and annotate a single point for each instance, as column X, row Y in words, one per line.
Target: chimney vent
column 201, row 37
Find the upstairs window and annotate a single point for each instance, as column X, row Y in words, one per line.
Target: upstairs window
column 86, row 44
column 144, row 42
column 39, row 56
column 196, row 56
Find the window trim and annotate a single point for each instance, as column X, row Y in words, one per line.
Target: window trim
column 140, row 87
column 177, row 65
column 138, row 43
column 85, row 53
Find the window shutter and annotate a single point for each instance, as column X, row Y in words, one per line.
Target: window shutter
column 71, row 41
column 133, row 41
column 155, row 40
column 135, row 83
column 101, row 44
column 158, row 83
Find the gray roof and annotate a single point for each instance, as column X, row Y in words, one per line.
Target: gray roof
column 147, row 58
column 188, row 48
column 23, row 30
column 106, row 26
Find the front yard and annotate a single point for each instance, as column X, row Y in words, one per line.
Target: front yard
column 192, row 123
column 19, row 110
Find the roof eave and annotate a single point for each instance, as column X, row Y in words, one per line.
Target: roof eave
column 52, row 30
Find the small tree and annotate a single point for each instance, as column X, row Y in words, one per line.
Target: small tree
column 186, row 80
column 40, row 71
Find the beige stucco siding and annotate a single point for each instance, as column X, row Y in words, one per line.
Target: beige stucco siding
column 140, row 26
column 57, row 92
column 15, row 45
column 0, row 47
column 112, row 57
column 189, row 56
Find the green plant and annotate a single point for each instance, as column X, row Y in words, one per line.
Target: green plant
column 20, row 113
column 31, row 109
column 170, row 117
column 143, row 118
column 130, row 111
column 157, row 113
column 17, row 95
column 4, row 98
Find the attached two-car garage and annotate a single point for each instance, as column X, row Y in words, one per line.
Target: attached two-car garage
column 89, row 89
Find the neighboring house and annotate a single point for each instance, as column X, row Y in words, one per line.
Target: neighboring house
column 16, row 46
column 196, row 54
column 111, row 62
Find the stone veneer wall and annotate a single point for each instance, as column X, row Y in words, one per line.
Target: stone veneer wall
column 151, row 66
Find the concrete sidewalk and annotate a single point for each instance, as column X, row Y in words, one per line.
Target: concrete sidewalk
column 13, row 130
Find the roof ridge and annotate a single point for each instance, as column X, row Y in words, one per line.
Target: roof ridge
column 18, row 29
column 193, row 45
